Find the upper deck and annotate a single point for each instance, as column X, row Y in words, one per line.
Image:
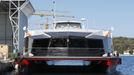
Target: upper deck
column 69, row 28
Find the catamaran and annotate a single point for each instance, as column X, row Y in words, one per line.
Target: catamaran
column 69, row 45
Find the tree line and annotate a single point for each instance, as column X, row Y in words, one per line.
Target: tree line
column 122, row 44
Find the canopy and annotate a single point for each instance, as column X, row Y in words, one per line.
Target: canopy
column 94, row 34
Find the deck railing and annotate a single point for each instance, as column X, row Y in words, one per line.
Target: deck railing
column 65, row 51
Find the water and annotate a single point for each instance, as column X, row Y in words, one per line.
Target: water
column 126, row 68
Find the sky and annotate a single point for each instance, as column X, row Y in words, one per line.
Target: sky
column 99, row 14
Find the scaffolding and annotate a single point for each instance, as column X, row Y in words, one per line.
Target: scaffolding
column 15, row 10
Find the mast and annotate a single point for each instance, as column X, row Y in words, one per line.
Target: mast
column 53, row 10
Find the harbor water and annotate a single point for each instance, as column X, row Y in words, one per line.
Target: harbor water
column 126, row 68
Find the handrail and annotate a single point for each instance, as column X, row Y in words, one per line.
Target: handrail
column 61, row 48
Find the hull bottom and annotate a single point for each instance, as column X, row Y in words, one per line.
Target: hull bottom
column 65, row 69
column 103, row 65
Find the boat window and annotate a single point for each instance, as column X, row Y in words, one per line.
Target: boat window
column 95, row 43
column 71, row 46
column 58, row 42
column 77, row 43
column 67, row 25
column 39, row 47
column 41, row 42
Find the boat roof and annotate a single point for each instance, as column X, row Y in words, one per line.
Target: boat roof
column 90, row 33
column 72, row 21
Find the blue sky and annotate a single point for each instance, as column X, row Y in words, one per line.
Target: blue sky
column 99, row 14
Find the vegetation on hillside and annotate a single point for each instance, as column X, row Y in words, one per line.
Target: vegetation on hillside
column 122, row 44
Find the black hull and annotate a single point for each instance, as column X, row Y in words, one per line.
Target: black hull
column 93, row 68
column 98, row 64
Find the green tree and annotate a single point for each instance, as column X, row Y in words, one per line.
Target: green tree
column 131, row 52
column 121, row 44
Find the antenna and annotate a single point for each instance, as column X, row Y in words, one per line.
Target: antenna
column 53, row 10
column 47, row 24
